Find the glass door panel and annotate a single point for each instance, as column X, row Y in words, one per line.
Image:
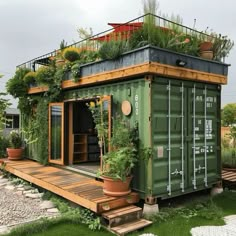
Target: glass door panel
column 56, row 133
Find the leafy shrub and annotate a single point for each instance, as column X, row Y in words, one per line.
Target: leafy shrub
column 228, row 157
column 4, row 143
column 16, row 86
column 71, row 54
column 45, row 75
column 30, row 78
column 15, row 139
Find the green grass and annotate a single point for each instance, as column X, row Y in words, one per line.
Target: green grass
column 71, row 230
column 170, row 221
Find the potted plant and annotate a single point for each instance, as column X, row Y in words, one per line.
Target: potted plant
column 15, row 150
column 119, row 161
column 206, row 46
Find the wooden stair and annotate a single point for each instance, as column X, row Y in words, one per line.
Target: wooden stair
column 125, row 220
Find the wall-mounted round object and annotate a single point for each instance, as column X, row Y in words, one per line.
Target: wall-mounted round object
column 126, row 107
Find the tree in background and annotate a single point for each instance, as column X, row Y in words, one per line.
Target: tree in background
column 228, row 114
column 4, row 104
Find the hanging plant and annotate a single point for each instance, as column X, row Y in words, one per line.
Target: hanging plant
column 76, row 72
column 30, row 78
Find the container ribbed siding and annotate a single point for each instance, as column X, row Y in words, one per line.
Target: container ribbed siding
column 136, row 91
column 185, row 136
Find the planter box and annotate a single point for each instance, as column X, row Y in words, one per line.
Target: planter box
column 154, row 54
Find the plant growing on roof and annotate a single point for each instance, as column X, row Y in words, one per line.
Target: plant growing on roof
column 71, row 54
column 45, row 74
column 222, row 46
column 16, row 86
column 30, row 78
column 112, row 49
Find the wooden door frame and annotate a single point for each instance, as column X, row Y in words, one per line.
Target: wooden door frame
column 70, row 120
column 60, row 161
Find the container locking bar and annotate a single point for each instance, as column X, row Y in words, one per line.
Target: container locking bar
column 194, row 134
column 205, row 136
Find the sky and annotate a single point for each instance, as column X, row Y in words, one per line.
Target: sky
column 31, row 28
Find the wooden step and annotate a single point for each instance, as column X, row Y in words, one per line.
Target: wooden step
column 122, row 215
column 130, row 227
column 105, row 205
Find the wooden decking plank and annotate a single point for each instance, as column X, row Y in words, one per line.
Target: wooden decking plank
column 103, row 199
column 71, row 186
column 80, row 184
column 92, row 193
column 84, row 188
column 46, row 173
column 132, row 198
column 64, row 182
column 121, row 211
column 24, row 166
column 68, row 195
column 77, row 188
column 131, row 226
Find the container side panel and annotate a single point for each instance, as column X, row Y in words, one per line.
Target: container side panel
column 137, row 93
column 167, row 125
column 185, row 131
column 203, row 143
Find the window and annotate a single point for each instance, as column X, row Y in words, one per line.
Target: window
column 12, row 121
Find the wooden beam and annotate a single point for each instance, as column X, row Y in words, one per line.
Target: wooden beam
column 185, row 73
column 146, row 68
column 37, row 89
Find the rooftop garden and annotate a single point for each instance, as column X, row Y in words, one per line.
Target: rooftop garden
column 149, row 29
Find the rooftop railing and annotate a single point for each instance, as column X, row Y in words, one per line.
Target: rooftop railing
column 179, row 36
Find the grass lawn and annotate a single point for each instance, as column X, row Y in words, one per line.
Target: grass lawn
column 170, row 221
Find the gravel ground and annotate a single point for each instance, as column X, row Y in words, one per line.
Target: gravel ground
column 20, row 204
column 16, row 208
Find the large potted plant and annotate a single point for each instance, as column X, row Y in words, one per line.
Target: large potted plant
column 15, row 149
column 119, row 161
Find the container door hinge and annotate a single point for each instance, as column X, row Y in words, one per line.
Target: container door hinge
column 168, row 189
column 194, row 184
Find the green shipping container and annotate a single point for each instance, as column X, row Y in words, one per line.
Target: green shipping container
column 180, row 121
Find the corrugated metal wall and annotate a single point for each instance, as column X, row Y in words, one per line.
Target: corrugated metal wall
column 185, row 131
column 137, row 93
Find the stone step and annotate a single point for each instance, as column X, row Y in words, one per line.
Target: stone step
column 122, row 215
column 130, row 227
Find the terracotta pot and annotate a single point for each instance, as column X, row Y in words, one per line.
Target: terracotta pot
column 207, row 55
column 116, row 187
column 14, row 154
column 205, row 46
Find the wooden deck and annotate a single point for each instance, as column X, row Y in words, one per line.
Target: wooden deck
column 229, row 176
column 80, row 189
